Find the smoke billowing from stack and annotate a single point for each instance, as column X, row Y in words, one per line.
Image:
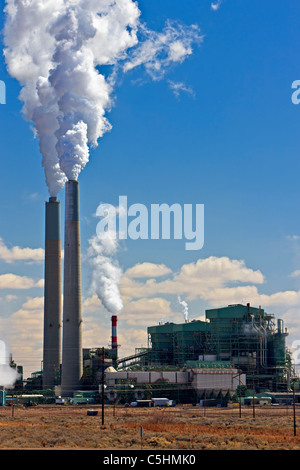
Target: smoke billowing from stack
column 185, row 308
column 53, row 295
column 106, row 272
column 58, row 51
column 8, row 375
column 72, row 316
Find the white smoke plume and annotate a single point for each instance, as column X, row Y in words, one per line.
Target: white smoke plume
column 106, row 272
column 185, row 308
column 8, row 375
column 57, row 49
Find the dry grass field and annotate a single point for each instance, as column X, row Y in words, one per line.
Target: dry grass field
column 178, row 428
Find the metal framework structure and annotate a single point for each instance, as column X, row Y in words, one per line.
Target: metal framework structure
column 244, row 336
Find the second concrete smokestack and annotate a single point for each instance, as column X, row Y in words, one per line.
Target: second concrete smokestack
column 52, row 296
column 72, row 319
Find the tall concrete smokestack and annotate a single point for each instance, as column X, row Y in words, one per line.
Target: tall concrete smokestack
column 114, row 339
column 52, row 295
column 72, row 320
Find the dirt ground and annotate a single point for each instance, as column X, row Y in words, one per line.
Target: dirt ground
column 178, row 428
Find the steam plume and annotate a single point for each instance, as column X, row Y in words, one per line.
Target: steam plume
column 56, row 49
column 106, row 272
column 8, row 375
column 185, row 308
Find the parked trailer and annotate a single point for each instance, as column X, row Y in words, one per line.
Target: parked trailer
column 92, row 412
column 213, row 402
column 142, row 403
column 163, row 402
column 153, row 402
column 62, row 401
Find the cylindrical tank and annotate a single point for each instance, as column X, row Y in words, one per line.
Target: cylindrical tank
column 72, row 318
column 2, row 397
column 52, row 295
column 280, row 326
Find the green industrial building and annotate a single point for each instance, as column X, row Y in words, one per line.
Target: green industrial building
column 241, row 336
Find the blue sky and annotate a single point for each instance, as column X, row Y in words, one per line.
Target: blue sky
column 230, row 141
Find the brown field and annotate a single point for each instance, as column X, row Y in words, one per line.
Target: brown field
column 180, row 428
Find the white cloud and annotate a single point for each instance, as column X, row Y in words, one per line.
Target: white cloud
column 214, row 271
column 91, row 304
column 33, row 303
column 10, row 297
column 15, row 253
column 195, row 280
column 130, row 339
column 216, row 5
column 179, row 51
column 146, row 311
column 96, row 330
column 24, row 331
column 293, row 237
column 40, row 283
column 32, row 196
column 141, row 270
column 178, row 87
column 13, row 281
column 295, row 273
column 159, row 50
column 243, row 294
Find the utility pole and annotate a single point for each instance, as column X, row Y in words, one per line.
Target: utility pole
column 12, row 406
column 240, row 400
column 253, row 398
column 141, row 435
column 294, row 409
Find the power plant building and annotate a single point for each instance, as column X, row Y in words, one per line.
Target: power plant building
column 235, row 345
column 243, row 336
